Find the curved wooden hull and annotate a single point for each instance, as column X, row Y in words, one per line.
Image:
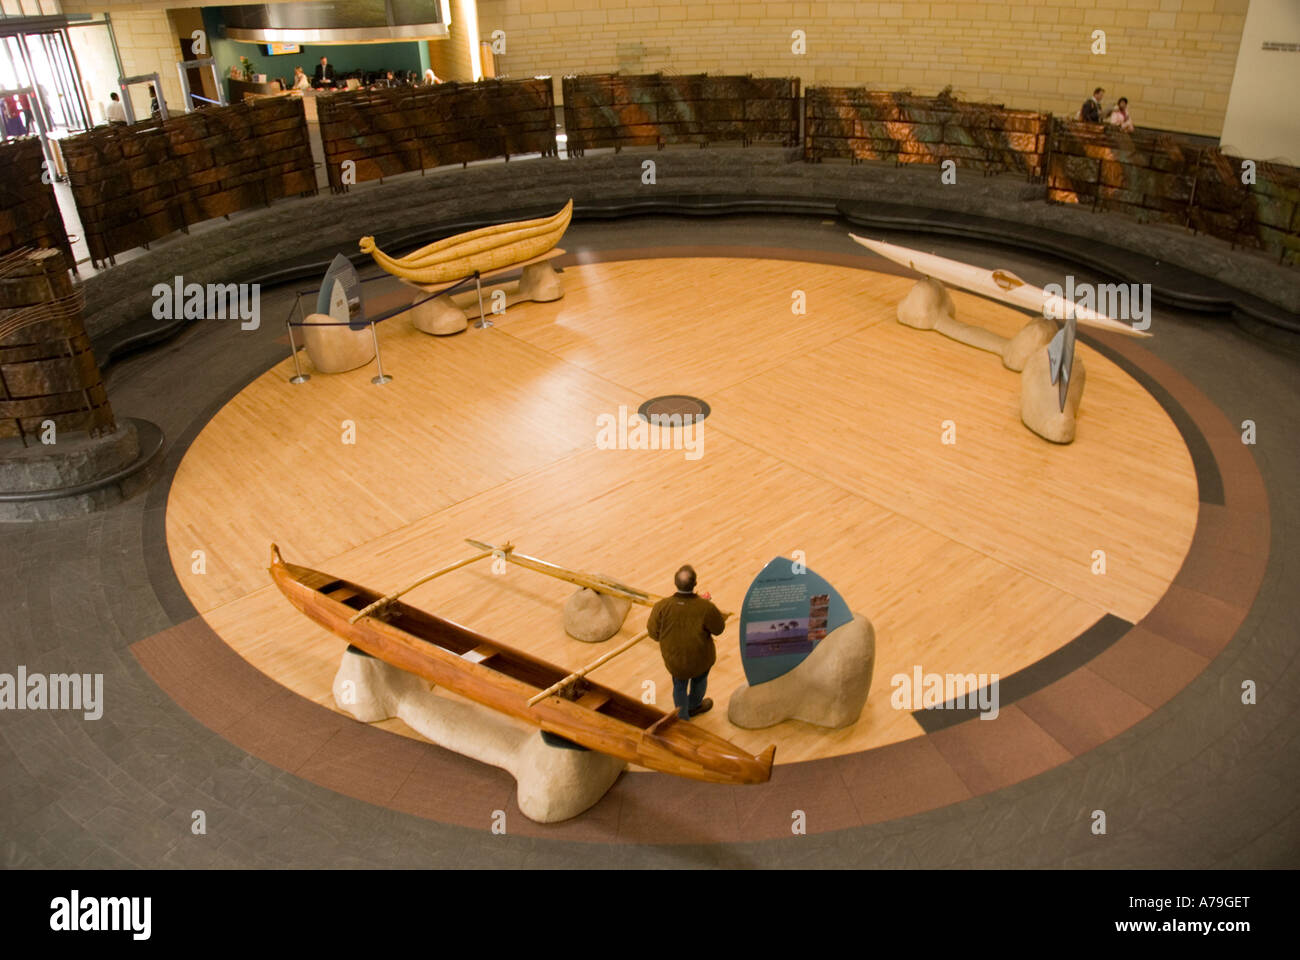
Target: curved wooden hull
column 997, row 285
column 504, row 679
column 478, row 251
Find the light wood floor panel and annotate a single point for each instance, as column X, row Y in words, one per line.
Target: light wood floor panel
column 1125, row 486
column 824, row 438
column 461, row 414
column 699, row 325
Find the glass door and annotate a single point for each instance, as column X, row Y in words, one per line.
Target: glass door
column 18, row 110
column 58, row 80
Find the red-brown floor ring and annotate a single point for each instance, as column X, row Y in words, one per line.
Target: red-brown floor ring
column 1158, row 657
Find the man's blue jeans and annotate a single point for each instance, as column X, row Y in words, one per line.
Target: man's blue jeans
column 687, row 702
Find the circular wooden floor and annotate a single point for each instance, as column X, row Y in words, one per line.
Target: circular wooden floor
column 825, row 437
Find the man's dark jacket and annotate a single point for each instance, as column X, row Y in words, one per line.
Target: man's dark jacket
column 685, row 625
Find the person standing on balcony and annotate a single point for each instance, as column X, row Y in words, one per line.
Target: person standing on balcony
column 1119, row 116
column 1090, row 112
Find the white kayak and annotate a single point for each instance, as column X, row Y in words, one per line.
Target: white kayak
column 1003, row 285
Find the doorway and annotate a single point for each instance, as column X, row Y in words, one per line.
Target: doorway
column 43, row 61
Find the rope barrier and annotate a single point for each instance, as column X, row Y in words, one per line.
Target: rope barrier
column 297, row 305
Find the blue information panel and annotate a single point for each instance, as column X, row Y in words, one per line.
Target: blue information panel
column 788, row 610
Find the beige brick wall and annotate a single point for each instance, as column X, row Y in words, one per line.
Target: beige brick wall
column 148, row 43
column 1173, row 59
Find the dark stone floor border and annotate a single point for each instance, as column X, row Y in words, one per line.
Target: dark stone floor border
column 1121, row 681
column 1021, row 684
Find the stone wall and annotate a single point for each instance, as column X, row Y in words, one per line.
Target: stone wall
column 29, row 212
column 1165, row 179
column 870, row 125
column 653, row 110
column 138, row 183
column 386, row 132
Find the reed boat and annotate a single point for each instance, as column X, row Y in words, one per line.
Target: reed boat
column 997, row 285
column 478, row 251
column 505, row 679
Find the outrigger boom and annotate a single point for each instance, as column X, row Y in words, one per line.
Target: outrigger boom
column 592, row 581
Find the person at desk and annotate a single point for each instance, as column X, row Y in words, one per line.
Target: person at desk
column 300, row 81
column 115, row 112
column 324, row 74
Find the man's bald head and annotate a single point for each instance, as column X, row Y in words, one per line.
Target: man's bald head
column 685, row 579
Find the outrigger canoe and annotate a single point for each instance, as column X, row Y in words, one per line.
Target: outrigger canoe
column 504, row 679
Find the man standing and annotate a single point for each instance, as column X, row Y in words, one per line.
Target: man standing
column 1090, row 112
column 324, row 74
column 684, row 626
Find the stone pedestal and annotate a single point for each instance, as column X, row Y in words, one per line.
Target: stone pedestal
column 540, row 282
column 1040, row 401
column 335, row 348
column 828, row 689
column 439, row 316
column 554, row 783
column 926, row 304
column 929, row 306
column 77, row 474
column 1035, row 335
column 450, row 313
column 594, row 617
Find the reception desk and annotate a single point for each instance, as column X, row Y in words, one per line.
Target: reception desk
column 238, row 89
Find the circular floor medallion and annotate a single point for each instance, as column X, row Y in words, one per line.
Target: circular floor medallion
column 674, row 405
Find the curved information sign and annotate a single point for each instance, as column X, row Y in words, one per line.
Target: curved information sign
column 788, row 610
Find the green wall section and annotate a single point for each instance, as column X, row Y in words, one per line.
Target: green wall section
column 411, row 55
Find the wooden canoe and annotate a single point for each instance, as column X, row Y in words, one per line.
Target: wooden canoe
column 478, row 251
column 997, row 285
column 504, row 679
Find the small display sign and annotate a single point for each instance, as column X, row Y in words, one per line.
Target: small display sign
column 788, row 610
column 340, row 294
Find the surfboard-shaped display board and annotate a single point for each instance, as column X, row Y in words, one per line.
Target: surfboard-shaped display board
column 788, row 610
column 340, row 294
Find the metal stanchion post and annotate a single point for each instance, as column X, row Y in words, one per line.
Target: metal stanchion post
column 482, row 321
column 299, row 376
column 379, row 378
